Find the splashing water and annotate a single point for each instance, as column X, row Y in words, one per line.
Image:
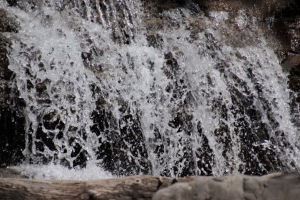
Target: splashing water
column 110, row 84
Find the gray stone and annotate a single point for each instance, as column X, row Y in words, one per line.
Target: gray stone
column 234, row 187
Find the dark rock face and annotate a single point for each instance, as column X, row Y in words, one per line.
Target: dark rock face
column 113, row 150
column 286, row 27
column 12, row 132
column 259, row 8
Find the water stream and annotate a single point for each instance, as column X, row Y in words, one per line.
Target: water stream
column 110, row 85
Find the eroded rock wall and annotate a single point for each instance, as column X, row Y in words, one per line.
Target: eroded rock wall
column 12, row 139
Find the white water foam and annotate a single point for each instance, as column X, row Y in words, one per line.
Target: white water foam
column 58, row 172
column 61, row 37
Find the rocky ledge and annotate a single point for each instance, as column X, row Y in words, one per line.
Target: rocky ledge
column 277, row 186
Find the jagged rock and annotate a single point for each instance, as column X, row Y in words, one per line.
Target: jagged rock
column 7, row 22
column 12, row 139
column 11, row 173
column 286, row 27
column 259, row 8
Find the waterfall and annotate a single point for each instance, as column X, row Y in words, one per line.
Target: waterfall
column 135, row 90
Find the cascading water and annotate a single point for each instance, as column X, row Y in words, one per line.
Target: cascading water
column 115, row 85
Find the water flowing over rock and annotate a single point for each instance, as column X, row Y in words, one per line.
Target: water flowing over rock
column 170, row 88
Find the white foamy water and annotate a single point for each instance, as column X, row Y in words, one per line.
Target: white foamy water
column 100, row 94
column 58, row 172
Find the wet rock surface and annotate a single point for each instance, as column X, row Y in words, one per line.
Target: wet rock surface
column 11, row 173
column 12, row 139
column 286, row 27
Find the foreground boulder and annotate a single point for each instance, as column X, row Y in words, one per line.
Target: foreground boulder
column 134, row 187
column 235, row 187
